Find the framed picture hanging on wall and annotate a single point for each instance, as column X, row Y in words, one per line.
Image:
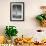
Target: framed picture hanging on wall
column 17, row 11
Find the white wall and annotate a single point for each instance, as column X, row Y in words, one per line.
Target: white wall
column 24, row 27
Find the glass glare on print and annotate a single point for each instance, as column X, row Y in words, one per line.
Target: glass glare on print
column 17, row 10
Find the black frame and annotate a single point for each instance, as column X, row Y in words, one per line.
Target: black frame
column 10, row 11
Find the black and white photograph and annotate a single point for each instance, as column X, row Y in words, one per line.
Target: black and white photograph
column 17, row 11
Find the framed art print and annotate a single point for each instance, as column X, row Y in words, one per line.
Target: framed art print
column 17, row 11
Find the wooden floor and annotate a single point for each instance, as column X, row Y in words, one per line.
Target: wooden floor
column 30, row 45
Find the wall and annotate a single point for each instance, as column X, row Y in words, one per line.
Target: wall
column 31, row 10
